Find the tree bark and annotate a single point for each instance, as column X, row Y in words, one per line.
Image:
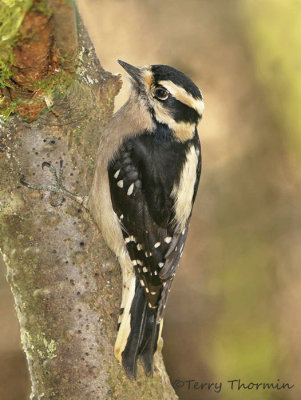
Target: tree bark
column 65, row 281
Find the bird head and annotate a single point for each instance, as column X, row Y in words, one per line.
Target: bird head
column 169, row 95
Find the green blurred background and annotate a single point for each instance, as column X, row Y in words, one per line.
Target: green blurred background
column 234, row 311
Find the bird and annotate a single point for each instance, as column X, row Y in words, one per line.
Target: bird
column 145, row 183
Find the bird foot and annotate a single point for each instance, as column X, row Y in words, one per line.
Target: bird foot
column 57, row 186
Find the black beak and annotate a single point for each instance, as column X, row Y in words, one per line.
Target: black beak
column 134, row 72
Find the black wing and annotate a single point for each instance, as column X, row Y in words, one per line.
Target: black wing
column 141, row 177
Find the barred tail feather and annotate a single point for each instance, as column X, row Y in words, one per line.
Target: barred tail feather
column 138, row 333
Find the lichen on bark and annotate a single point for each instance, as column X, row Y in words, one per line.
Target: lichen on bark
column 65, row 281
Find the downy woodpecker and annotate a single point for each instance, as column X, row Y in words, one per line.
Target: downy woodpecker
column 145, row 183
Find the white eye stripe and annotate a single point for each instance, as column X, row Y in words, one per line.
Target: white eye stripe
column 180, row 94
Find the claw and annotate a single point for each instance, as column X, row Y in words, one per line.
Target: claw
column 30, row 185
column 50, row 166
column 57, row 187
column 46, row 164
column 60, row 180
column 22, row 180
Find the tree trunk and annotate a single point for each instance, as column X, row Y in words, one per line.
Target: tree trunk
column 55, row 100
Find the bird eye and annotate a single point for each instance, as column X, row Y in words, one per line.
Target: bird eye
column 161, row 93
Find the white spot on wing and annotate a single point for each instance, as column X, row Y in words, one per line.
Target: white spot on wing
column 130, row 189
column 116, row 174
column 130, row 239
column 161, row 265
column 157, row 244
column 168, row 239
column 145, row 269
column 120, row 183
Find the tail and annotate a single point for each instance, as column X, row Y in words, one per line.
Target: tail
column 138, row 333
